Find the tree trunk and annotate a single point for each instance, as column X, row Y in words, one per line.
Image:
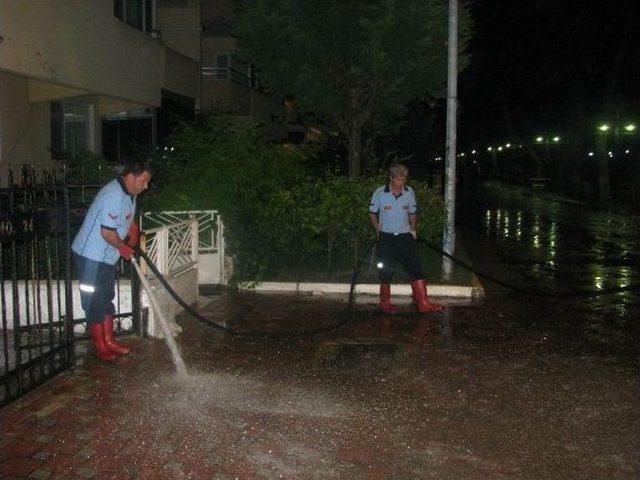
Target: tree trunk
column 511, row 131
column 355, row 148
column 604, row 189
column 610, row 105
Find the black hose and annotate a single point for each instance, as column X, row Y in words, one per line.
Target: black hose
column 532, row 293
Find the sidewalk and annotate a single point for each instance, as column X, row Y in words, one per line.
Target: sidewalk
column 461, row 284
column 459, row 395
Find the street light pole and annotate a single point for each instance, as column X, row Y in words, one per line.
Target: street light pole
column 449, row 237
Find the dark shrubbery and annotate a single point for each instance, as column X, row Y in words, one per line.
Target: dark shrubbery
column 280, row 221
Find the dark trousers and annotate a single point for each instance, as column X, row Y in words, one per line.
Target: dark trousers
column 398, row 250
column 97, row 288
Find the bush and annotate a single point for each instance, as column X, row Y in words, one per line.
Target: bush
column 87, row 168
column 280, row 220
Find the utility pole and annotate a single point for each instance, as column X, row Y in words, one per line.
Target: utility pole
column 449, row 237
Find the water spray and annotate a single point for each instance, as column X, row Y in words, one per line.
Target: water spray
column 164, row 325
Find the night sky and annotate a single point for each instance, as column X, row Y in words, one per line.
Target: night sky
column 549, row 66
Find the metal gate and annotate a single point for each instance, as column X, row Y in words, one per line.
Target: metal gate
column 38, row 328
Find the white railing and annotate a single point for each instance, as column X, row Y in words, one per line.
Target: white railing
column 210, row 239
column 173, row 248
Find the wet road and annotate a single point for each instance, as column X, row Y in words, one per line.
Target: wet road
column 514, row 388
column 545, row 244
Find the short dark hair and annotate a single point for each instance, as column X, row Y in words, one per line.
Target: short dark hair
column 136, row 167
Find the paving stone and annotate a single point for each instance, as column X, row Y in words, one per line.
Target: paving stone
column 69, row 446
column 40, row 474
column 222, row 476
column 130, row 470
column 18, row 466
column 7, row 437
column 124, row 435
column 20, row 448
column 61, row 463
column 46, row 422
column 86, row 452
column 85, row 435
column 172, row 465
column 86, row 472
column 45, row 438
column 42, row 455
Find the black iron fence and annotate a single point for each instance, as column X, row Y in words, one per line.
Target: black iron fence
column 38, row 328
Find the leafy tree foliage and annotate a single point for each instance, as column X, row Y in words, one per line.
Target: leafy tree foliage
column 353, row 62
column 280, row 219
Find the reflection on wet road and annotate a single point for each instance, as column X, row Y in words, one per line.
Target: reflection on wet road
column 547, row 245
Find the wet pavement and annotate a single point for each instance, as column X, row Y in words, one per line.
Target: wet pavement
column 515, row 388
column 542, row 243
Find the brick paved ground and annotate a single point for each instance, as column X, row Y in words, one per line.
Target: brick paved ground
column 471, row 394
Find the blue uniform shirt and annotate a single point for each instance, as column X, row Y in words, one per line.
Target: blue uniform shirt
column 114, row 209
column 393, row 212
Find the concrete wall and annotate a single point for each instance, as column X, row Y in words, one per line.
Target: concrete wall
column 180, row 27
column 185, row 285
column 24, row 127
column 80, row 44
column 218, row 8
column 76, row 49
column 181, row 74
column 229, row 97
column 41, row 293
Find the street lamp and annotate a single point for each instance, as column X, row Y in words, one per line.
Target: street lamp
column 617, row 129
column 547, row 141
column 540, row 140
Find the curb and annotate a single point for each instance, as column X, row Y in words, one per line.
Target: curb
column 437, row 290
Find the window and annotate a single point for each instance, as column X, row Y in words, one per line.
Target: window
column 118, row 9
column 71, row 128
column 221, row 68
column 139, row 14
column 227, row 66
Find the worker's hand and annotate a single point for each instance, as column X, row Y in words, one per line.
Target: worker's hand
column 133, row 236
column 414, row 234
column 126, row 251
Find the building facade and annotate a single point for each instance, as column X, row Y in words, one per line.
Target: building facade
column 111, row 76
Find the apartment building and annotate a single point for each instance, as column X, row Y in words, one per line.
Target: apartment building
column 111, row 76
column 93, row 75
column 233, row 86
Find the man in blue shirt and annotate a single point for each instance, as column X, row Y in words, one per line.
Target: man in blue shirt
column 393, row 213
column 108, row 232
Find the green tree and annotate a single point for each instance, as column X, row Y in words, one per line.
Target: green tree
column 282, row 220
column 352, row 62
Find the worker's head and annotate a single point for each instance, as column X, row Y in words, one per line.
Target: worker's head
column 398, row 175
column 136, row 175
